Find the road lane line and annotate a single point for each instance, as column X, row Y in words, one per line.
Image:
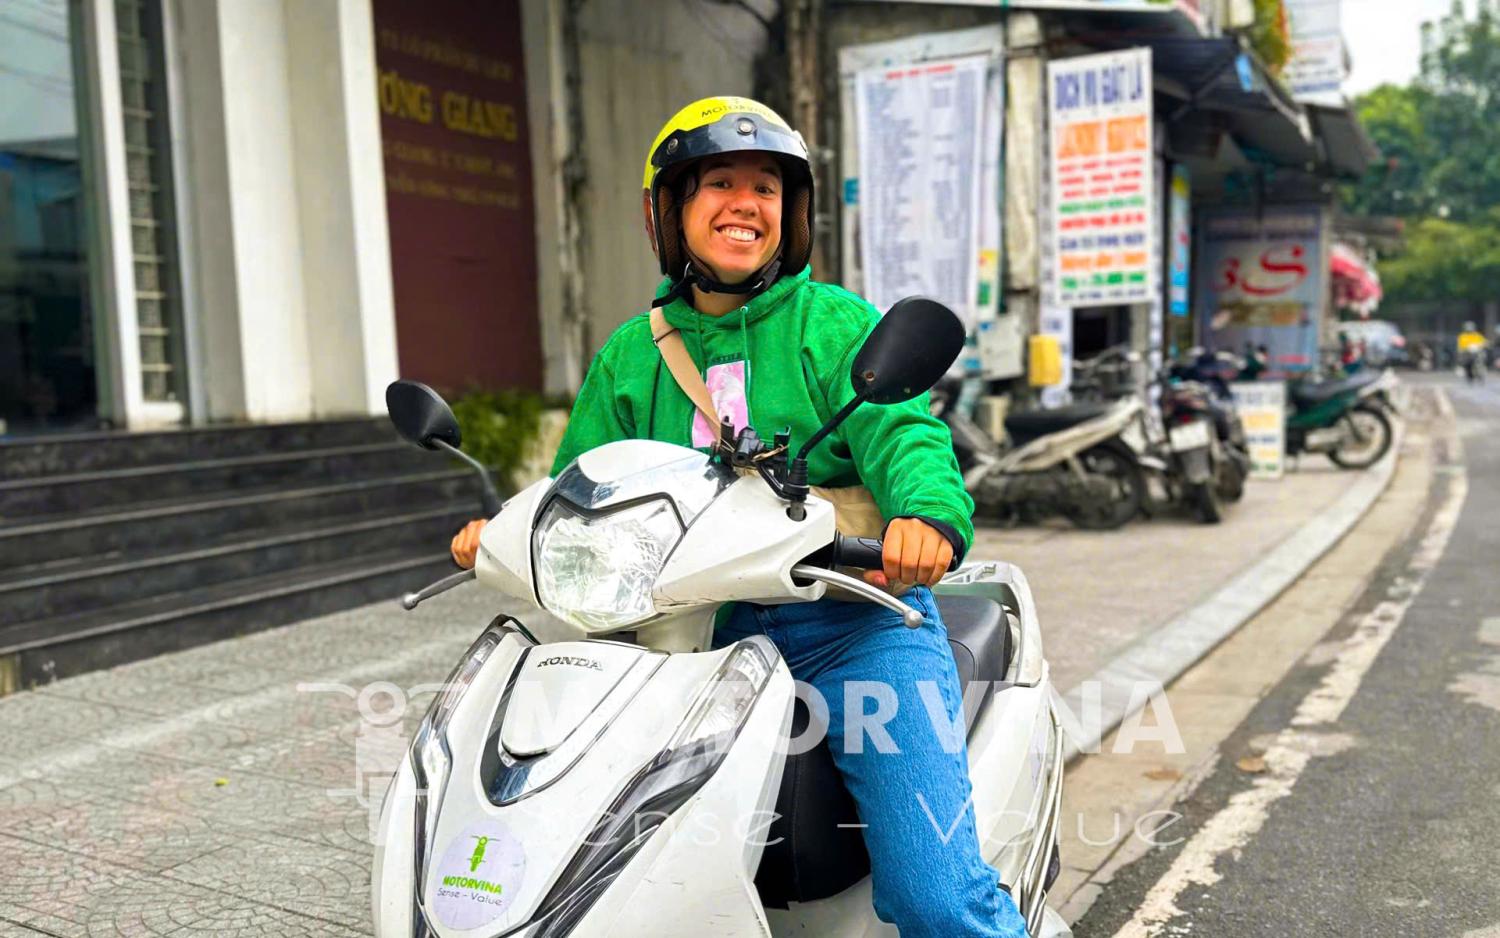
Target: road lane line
column 1235, row 824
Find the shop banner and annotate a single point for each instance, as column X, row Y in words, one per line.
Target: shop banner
column 1262, row 409
column 1260, row 281
column 1100, row 175
column 1316, row 68
column 452, row 94
column 920, row 181
column 1179, row 240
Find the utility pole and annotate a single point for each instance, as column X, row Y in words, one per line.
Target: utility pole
column 804, row 21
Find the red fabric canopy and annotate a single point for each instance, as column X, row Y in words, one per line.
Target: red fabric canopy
column 1355, row 283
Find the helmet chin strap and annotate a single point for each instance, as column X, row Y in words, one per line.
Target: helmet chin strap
column 695, row 274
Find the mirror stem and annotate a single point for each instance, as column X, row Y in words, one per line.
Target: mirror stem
column 488, row 497
column 830, row 426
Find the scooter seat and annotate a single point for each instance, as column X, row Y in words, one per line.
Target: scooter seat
column 1030, row 424
column 1306, row 393
column 815, row 847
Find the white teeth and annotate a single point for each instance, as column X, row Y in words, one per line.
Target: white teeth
column 739, row 234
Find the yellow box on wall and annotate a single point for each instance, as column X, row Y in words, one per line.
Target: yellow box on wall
column 1044, row 361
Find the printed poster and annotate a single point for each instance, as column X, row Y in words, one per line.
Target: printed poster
column 920, row 181
column 1316, row 68
column 1100, row 172
column 1262, row 409
column 1260, row 281
column 1179, row 240
column 1058, row 321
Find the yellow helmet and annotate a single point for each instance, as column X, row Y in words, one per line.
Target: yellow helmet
column 728, row 125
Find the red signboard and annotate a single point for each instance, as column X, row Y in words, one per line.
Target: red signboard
column 458, row 191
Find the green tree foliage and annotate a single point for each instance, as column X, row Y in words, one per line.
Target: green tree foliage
column 1440, row 137
column 1447, row 260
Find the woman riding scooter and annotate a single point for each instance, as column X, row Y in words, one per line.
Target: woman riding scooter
column 728, row 209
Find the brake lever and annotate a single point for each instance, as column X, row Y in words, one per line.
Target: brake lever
column 911, row 617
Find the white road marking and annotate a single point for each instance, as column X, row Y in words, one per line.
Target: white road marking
column 1233, row 827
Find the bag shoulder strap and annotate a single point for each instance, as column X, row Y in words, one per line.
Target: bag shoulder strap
column 674, row 352
column 855, row 511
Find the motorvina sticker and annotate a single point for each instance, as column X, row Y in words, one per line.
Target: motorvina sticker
column 478, row 876
column 468, row 883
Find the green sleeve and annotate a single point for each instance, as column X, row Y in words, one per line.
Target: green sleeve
column 904, row 455
column 597, row 416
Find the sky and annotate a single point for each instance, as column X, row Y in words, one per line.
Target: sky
column 1384, row 39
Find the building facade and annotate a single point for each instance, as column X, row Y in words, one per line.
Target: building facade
column 266, row 210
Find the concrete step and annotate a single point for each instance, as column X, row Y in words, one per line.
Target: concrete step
column 181, row 524
column 34, row 498
column 88, row 584
column 67, row 454
column 41, row 651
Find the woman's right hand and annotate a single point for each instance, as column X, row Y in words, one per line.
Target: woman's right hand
column 465, row 545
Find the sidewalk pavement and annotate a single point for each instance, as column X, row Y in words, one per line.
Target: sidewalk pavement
column 1098, row 591
column 203, row 793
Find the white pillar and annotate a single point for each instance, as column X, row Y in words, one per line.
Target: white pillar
column 335, row 119
column 290, row 256
column 248, row 250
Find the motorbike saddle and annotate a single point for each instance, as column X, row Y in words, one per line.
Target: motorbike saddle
column 1028, row 425
column 1306, row 393
column 810, row 856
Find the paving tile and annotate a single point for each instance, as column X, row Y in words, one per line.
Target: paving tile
column 331, row 885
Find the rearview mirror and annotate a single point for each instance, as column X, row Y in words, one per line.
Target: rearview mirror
column 911, row 347
column 421, row 415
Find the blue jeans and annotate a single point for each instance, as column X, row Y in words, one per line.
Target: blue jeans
column 911, row 792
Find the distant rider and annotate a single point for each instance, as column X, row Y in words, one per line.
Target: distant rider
column 1471, row 346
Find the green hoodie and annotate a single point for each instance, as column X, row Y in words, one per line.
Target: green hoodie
column 785, row 358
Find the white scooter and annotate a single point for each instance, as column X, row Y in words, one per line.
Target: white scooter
column 612, row 775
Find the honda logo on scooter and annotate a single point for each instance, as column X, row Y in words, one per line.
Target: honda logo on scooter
column 589, row 663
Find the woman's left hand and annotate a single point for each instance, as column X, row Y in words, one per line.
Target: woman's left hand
column 915, row 554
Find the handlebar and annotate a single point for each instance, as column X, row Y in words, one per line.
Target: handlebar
column 865, row 553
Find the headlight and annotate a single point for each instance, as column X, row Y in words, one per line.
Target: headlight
column 597, row 571
column 431, row 759
column 662, row 786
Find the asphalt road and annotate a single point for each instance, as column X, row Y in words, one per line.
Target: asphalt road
column 1362, row 796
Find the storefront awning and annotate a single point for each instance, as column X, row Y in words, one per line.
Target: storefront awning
column 1216, row 76
column 1346, row 149
column 1355, row 283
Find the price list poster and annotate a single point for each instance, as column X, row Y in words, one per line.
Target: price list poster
column 920, row 181
column 1100, row 170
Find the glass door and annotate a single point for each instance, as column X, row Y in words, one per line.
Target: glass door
column 47, row 358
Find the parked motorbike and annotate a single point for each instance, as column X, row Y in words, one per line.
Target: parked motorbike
column 1345, row 418
column 609, row 774
column 1196, row 388
column 1199, row 463
column 1178, row 441
column 1068, row 460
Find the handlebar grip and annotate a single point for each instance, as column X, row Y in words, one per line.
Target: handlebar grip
column 866, row 553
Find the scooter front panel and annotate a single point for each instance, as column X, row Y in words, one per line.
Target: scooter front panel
column 538, row 835
column 556, row 688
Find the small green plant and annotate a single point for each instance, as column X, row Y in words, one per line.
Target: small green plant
column 498, row 427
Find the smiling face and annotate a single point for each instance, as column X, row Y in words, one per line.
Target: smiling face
column 732, row 221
